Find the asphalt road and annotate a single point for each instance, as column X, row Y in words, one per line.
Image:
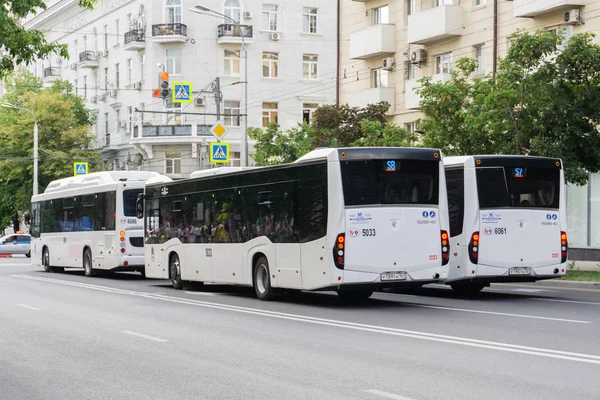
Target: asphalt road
column 65, row 336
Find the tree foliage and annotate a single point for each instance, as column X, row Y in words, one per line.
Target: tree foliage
column 542, row 101
column 64, row 137
column 333, row 126
column 19, row 45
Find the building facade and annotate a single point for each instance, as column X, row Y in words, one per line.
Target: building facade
column 119, row 49
column 386, row 46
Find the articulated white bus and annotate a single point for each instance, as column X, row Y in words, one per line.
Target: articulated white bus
column 89, row 222
column 508, row 220
column 351, row 220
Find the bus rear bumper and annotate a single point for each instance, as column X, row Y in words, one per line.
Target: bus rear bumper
column 490, row 274
column 413, row 278
column 130, row 263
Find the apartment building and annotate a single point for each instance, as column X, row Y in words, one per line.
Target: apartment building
column 386, row 46
column 119, row 49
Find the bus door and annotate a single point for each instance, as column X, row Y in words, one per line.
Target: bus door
column 519, row 219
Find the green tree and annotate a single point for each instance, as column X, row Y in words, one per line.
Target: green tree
column 64, row 137
column 19, row 45
column 542, row 101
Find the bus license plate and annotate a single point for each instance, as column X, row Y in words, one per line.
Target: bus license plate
column 519, row 271
column 393, row 276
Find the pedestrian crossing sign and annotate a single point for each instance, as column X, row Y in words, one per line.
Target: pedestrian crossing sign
column 182, row 92
column 80, row 168
column 219, row 152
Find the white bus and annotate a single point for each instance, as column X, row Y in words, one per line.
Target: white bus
column 351, row 220
column 89, row 222
column 508, row 220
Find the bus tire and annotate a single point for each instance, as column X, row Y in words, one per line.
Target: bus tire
column 467, row 289
column 175, row 272
column 88, row 268
column 46, row 260
column 354, row 294
column 143, row 272
column 262, row 279
column 28, row 255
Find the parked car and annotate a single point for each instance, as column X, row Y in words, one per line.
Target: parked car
column 16, row 243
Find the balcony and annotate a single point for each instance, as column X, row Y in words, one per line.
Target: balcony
column 134, row 40
column 230, row 33
column 411, row 98
column 169, row 33
column 172, row 133
column 166, row 130
column 374, row 41
column 435, row 24
column 532, row 8
column 365, row 97
column 51, row 74
column 88, row 59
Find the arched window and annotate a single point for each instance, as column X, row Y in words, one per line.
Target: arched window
column 233, row 9
column 174, row 8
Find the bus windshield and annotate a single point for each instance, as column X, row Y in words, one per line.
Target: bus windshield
column 376, row 182
column 129, row 201
column 505, row 187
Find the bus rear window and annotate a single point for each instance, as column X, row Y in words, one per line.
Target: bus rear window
column 373, row 182
column 129, row 201
column 505, row 187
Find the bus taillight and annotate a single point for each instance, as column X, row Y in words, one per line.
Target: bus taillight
column 474, row 248
column 445, row 247
column 564, row 247
column 339, row 251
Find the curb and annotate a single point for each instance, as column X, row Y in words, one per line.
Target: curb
column 558, row 283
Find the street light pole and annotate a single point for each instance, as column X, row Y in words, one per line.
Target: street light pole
column 244, row 60
column 35, row 144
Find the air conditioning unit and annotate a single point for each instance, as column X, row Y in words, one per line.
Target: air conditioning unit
column 112, row 93
column 199, row 101
column 94, row 99
column 103, row 96
column 248, row 15
column 388, row 64
column 573, row 16
column 137, row 86
column 275, row 36
column 418, row 56
column 104, row 53
column 73, row 66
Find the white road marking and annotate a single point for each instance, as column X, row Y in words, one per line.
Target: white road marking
column 144, row 336
column 575, row 321
column 202, row 293
column 566, row 301
column 457, row 340
column 528, row 290
column 29, row 307
column 554, row 288
column 387, row 395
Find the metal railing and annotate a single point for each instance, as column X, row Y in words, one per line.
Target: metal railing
column 88, row 55
column 166, row 130
column 169, row 29
column 51, row 71
column 231, row 30
column 136, row 35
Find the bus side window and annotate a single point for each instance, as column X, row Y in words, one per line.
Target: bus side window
column 455, row 186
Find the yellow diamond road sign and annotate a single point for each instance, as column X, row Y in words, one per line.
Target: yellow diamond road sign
column 218, row 129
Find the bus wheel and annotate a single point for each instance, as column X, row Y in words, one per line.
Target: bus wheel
column 262, row 279
column 468, row 289
column 143, row 272
column 87, row 263
column 46, row 260
column 28, row 255
column 175, row 272
column 354, row 295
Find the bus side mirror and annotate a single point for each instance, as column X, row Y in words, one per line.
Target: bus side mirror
column 139, row 206
column 27, row 219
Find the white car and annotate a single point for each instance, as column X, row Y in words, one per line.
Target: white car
column 16, row 243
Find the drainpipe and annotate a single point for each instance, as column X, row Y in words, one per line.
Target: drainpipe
column 338, row 62
column 495, row 46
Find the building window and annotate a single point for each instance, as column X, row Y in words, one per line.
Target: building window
column 479, row 3
column 409, row 70
column 480, row 60
column 118, row 122
column 84, row 43
column 269, row 114
column 117, row 77
column 233, row 9
column 95, row 82
column 129, row 119
column 76, row 48
column 270, row 17
column 309, row 20
column 85, row 86
column 117, row 32
column 235, row 158
column 443, row 63
column 409, row 6
column 270, row 65
column 172, row 105
column 232, row 112
column 309, row 66
column 307, row 111
column 381, row 15
column 172, row 162
column 174, row 61
column 95, row 33
column 232, row 62
column 142, row 63
column 566, row 32
column 105, row 37
column 106, row 131
column 174, row 11
column 105, row 79
column 379, row 78
column 129, row 70
column 76, row 86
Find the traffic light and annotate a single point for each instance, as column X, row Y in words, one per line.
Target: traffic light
column 165, row 85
